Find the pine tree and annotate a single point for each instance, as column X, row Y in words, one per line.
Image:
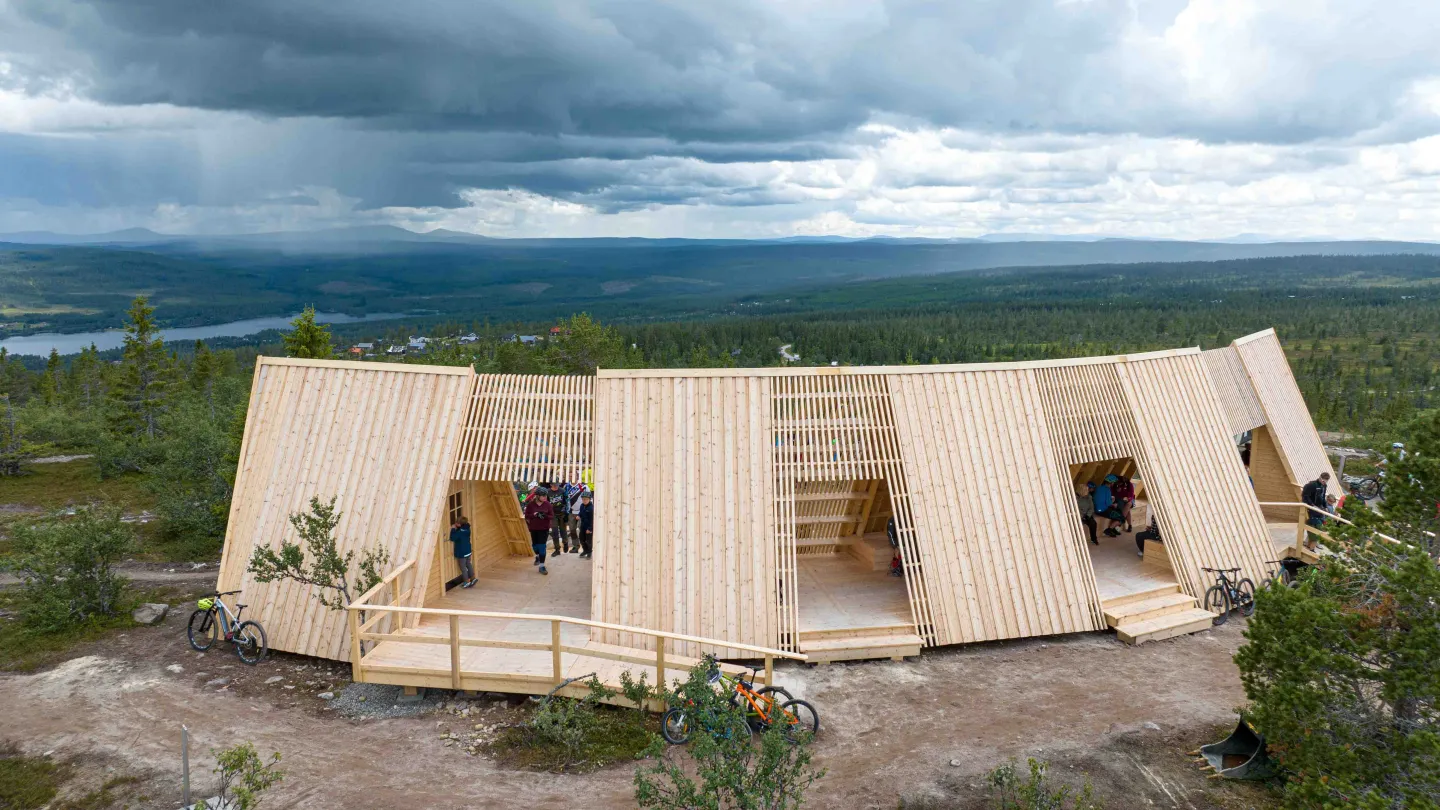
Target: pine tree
column 50, row 380
column 143, row 382
column 308, row 338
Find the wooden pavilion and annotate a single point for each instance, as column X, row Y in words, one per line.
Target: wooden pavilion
column 743, row 511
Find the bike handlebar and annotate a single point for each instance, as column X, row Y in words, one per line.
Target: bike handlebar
column 1218, row 570
column 227, row 593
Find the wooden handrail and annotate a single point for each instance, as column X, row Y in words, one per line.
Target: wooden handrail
column 1329, row 516
column 622, row 628
column 389, row 578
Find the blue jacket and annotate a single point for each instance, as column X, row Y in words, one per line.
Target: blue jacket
column 1103, row 498
column 460, row 536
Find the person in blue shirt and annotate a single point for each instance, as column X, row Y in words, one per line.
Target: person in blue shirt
column 460, row 536
column 1107, row 507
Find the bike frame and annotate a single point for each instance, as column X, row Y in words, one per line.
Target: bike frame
column 228, row 621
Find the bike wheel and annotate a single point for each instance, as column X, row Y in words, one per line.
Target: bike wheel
column 1217, row 601
column 200, row 630
column 250, row 643
column 1245, row 596
column 675, row 726
column 797, row 718
column 1367, row 488
column 778, row 694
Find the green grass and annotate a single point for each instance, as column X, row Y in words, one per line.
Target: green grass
column 55, row 486
column 25, row 649
column 28, row 783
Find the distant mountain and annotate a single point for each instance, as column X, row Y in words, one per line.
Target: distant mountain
column 125, row 237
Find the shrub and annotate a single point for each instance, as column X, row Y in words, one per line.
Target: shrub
column 327, row 568
column 1343, row 672
column 1010, row 790
column 244, row 776
column 566, row 735
column 724, row 769
column 64, row 563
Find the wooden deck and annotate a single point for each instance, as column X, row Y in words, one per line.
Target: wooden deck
column 1119, row 572
column 511, row 653
column 837, row 592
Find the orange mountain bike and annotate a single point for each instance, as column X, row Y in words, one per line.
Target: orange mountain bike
column 762, row 708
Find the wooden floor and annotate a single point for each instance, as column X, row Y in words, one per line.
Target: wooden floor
column 1119, row 572
column 512, row 585
column 838, row 592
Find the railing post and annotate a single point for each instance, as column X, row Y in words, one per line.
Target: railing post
column 769, row 670
column 353, row 616
column 454, row 652
column 555, row 650
column 660, row 661
column 1300, row 528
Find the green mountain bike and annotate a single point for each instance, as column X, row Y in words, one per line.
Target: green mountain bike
column 212, row 619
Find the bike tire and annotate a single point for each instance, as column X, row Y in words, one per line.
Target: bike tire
column 675, row 726
column 780, row 693
column 200, row 630
column 250, row 643
column 797, row 718
column 1217, row 601
column 1245, row 589
column 1367, row 488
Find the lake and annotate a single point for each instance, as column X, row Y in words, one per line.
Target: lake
column 41, row 343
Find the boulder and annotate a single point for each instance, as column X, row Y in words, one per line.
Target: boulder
column 150, row 613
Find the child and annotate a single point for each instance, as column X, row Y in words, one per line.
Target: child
column 460, row 536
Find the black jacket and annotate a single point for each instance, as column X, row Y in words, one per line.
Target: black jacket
column 1314, row 493
column 587, row 517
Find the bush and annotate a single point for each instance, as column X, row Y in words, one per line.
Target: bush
column 244, row 776
column 1009, row 790
column 565, row 735
column 724, row 769
column 64, row 563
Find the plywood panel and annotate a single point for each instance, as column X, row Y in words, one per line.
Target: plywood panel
column 528, row 427
column 1205, row 506
column 380, row 438
column 1271, row 479
column 1237, row 395
column 999, row 535
column 1285, row 412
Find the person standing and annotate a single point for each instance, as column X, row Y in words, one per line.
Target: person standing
column 559, row 509
column 460, row 537
column 573, row 497
column 1314, row 495
column 585, row 524
column 539, row 518
column 1086, row 502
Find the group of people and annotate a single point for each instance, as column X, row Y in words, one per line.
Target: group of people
column 562, row 512
column 1111, row 500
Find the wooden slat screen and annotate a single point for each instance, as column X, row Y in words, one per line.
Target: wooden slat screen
column 528, row 427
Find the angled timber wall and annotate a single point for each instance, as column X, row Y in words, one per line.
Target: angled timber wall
column 1291, row 428
column 1206, row 508
column 528, row 427
column 1237, row 395
column 379, row 437
column 999, row 535
column 685, row 520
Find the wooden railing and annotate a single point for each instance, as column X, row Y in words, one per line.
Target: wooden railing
column 396, row 588
column 1302, row 527
column 365, row 618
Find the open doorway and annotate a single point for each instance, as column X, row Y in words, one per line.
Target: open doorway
column 1126, row 548
column 850, row 605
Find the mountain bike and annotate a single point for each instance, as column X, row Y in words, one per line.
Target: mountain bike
column 212, row 618
column 762, row 708
column 1228, row 594
column 1367, row 487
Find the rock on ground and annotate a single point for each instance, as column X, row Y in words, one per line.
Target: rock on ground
column 150, row 613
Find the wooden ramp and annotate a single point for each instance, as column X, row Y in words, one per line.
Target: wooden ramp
column 516, row 631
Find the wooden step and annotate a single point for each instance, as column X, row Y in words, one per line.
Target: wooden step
column 896, row 646
column 1139, row 596
column 1168, row 626
column 1147, row 609
column 897, row 629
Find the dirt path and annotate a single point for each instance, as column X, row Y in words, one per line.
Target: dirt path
column 927, row 730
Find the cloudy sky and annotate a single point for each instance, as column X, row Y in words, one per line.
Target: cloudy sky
column 1163, row 118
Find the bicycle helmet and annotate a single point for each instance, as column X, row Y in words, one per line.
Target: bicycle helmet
column 206, row 603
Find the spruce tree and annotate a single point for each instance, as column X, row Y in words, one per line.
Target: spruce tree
column 308, row 338
column 142, row 385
